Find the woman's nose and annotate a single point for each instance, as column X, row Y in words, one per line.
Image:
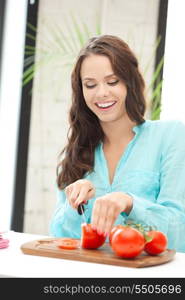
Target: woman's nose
column 102, row 91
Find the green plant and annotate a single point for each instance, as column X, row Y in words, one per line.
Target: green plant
column 154, row 89
column 60, row 46
column 156, row 85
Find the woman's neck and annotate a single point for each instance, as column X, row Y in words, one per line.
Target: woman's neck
column 118, row 132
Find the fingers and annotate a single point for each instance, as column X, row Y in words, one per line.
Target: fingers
column 105, row 212
column 79, row 192
column 104, row 215
column 82, row 196
column 109, row 222
column 99, row 215
column 74, row 195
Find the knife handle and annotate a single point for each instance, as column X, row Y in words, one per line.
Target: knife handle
column 80, row 209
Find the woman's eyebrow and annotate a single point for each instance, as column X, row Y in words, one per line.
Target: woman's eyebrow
column 110, row 75
column 89, row 78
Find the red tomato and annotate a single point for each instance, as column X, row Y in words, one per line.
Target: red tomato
column 68, row 243
column 113, row 231
column 127, row 242
column 90, row 238
column 158, row 244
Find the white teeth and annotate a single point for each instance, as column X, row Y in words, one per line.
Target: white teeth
column 105, row 104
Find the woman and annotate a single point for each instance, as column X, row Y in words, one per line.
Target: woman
column 116, row 162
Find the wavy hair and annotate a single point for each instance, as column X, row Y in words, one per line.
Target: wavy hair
column 85, row 132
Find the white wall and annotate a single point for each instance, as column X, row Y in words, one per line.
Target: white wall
column 10, row 96
column 173, row 95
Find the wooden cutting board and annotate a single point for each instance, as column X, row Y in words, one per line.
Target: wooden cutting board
column 104, row 255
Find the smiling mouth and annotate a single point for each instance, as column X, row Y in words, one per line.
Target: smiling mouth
column 105, row 105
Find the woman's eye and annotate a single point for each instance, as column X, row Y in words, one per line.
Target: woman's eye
column 90, row 86
column 113, row 82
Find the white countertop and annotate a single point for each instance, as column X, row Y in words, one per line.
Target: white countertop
column 13, row 263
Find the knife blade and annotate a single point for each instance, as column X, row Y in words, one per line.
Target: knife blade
column 81, row 211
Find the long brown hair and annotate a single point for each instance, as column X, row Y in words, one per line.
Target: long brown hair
column 85, row 131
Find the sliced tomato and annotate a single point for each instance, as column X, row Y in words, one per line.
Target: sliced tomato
column 68, row 243
column 90, row 238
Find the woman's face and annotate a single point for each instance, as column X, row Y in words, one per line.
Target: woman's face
column 103, row 91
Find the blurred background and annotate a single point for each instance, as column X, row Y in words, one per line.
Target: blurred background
column 39, row 41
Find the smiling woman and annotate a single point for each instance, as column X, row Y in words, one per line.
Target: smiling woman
column 104, row 92
column 116, row 162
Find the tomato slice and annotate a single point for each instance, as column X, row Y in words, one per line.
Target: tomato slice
column 90, row 238
column 68, row 243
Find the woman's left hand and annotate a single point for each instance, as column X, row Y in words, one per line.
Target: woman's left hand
column 107, row 208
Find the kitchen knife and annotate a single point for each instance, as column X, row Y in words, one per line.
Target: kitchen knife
column 81, row 211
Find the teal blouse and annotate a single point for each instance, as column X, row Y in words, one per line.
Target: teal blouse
column 152, row 171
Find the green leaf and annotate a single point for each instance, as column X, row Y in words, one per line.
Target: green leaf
column 65, row 42
column 30, row 47
column 156, row 45
column 32, row 37
column 77, row 30
column 157, row 90
column 98, row 25
column 32, row 27
column 157, row 72
column 28, row 78
column 148, row 238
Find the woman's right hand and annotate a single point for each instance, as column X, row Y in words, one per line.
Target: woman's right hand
column 79, row 192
